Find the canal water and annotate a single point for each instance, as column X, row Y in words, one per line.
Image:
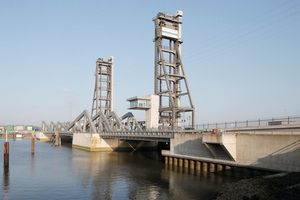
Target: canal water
column 67, row 173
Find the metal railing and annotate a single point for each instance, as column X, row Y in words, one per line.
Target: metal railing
column 249, row 123
column 151, row 134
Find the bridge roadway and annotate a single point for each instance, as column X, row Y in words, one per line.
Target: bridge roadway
column 147, row 135
column 127, row 128
column 166, row 135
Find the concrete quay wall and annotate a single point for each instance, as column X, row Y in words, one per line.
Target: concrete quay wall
column 280, row 152
column 93, row 142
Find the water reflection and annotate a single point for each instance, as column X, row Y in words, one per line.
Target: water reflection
column 76, row 174
column 6, row 182
column 118, row 175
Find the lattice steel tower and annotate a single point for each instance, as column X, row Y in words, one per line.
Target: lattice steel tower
column 103, row 92
column 170, row 82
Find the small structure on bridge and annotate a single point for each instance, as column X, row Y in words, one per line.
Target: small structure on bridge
column 150, row 104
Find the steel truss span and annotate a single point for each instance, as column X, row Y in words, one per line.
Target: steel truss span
column 108, row 126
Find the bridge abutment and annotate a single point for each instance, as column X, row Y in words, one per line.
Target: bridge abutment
column 274, row 152
column 41, row 136
column 93, row 142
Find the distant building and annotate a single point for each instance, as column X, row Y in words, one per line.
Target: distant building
column 2, row 129
column 29, row 128
column 10, row 128
column 19, row 128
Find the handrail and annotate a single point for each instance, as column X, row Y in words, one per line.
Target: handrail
column 249, row 123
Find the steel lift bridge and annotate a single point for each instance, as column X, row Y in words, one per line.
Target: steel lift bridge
column 170, row 85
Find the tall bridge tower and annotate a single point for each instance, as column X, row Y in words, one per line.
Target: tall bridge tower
column 103, row 92
column 170, row 82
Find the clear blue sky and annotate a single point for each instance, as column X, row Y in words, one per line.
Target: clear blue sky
column 242, row 58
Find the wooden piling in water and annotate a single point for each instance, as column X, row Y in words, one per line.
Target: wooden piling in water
column 219, row 168
column 212, row 167
column 175, row 161
column 204, row 166
column 57, row 139
column 170, row 160
column 192, row 164
column 186, row 163
column 180, row 162
column 166, row 159
column 198, row 165
column 6, row 154
column 32, row 145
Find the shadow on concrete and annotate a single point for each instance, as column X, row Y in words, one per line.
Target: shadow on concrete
column 284, row 159
column 218, row 151
column 192, row 148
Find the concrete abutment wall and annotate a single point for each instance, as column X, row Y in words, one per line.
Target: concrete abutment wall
column 257, row 151
column 93, row 142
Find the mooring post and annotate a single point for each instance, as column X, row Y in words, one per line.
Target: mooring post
column 6, row 151
column 32, row 145
column 57, row 139
column 6, row 154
